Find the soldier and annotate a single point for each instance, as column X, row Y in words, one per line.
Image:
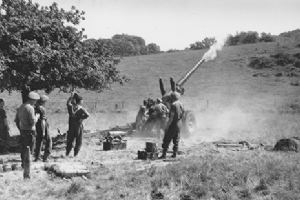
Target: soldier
column 42, row 130
column 173, row 126
column 161, row 115
column 25, row 120
column 76, row 116
column 4, row 128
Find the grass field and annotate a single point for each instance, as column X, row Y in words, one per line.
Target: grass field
column 229, row 103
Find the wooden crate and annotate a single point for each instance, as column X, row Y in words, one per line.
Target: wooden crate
column 114, row 145
column 144, row 155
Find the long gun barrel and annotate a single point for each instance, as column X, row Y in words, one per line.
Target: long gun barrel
column 189, row 73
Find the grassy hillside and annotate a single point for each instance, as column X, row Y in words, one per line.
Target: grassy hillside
column 226, row 96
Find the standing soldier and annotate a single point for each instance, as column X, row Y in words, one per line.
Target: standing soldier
column 76, row 116
column 4, row 128
column 25, row 120
column 42, row 130
column 173, row 126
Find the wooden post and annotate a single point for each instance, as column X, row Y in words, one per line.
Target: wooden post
column 26, row 173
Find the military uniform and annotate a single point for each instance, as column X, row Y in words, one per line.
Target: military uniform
column 172, row 132
column 76, row 117
column 25, row 121
column 161, row 114
column 42, row 131
column 4, row 130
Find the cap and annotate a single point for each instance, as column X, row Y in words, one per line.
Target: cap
column 44, row 98
column 33, row 96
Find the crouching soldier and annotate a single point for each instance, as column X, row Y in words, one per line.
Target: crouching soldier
column 172, row 132
column 76, row 116
column 42, row 130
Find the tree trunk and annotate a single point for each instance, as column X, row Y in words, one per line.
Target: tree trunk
column 25, row 91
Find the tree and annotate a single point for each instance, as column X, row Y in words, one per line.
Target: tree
column 204, row 44
column 196, row 45
column 123, row 47
column 207, row 42
column 233, row 40
column 266, row 37
column 128, row 45
column 243, row 38
column 153, row 48
column 249, row 37
column 40, row 49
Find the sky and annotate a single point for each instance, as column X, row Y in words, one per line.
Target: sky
column 175, row 24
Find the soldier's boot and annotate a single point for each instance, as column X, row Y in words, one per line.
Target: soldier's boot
column 36, row 159
column 45, row 157
column 164, row 155
column 174, row 155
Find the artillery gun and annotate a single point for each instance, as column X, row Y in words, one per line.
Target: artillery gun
column 147, row 120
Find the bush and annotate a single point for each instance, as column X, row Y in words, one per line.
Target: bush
column 248, row 38
column 153, row 48
column 260, row 62
column 297, row 64
column 172, row 50
column 297, row 55
column 295, row 34
column 283, row 59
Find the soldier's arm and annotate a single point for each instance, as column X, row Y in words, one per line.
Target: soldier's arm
column 5, row 122
column 85, row 114
column 43, row 126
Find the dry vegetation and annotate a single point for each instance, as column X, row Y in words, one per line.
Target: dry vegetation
column 229, row 102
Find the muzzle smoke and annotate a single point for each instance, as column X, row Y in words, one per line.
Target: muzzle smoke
column 213, row 50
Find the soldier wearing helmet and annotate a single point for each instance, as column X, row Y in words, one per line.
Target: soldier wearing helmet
column 174, row 124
